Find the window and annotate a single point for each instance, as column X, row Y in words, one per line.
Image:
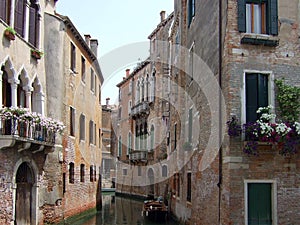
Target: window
column 71, row 173
column 129, row 144
column 125, row 172
column 92, row 80
column 72, row 121
column 81, row 172
column 152, row 138
column 120, row 113
column 190, row 125
column 258, row 16
column 92, row 132
column 93, row 173
column 130, row 87
column 191, row 11
column 175, row 136
column 82, row 127
column 82, row 68
column 189, row 187
column 20, row 17
column 73, row 58
column 34, row 20
column 120, row 94
column 178, row 184
column 260, row 202
column 191, row 62
column 139, row 171
column 164, row 171
column 21, row 99
column 120, row 146
column 256, row 94
column 5, row 6
column 129, row 106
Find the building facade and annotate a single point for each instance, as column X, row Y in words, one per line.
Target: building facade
column 29, row 148
column 77, row 101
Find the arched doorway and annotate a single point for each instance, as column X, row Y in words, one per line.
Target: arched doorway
column 151, row 183
column 24, row 196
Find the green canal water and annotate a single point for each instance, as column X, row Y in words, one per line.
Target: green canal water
column 118, row 210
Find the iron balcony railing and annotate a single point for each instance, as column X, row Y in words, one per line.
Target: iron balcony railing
column 139, row 109
column 27, row 130
column 138, row 155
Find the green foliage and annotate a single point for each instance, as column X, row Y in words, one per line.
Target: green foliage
column 288, row 99
column 11, row 30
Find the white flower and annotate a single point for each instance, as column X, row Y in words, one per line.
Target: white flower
column 282, row 129
column 266, row 129
column 297, row 126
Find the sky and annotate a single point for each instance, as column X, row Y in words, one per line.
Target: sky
column 119, row 25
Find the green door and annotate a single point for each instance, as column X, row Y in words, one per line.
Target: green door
column 259, row 204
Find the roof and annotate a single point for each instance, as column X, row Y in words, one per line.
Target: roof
column 135, row 71
column 161, row 24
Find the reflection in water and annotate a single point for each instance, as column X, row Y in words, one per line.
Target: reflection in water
column 119, row 211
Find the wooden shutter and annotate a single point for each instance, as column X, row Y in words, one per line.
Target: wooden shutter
column 262, row 83
column 32, row 26
column 19, row 17
column 3, row 15
column 273, row 23
column 242, row 15
column 251, row 97
column 259, row 204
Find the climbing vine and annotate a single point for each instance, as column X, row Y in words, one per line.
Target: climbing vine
column 288, row 101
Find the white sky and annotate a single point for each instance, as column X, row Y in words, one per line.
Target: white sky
column 115, row 23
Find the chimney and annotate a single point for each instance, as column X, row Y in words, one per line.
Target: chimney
column 88, row 39
column 107, row 102
column 162, row 15
column 94, row 46
column 127, row 72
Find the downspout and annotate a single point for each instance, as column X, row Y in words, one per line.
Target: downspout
column 220, row 112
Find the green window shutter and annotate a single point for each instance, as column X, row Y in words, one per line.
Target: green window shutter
column 273, row 23
column 242, row 15
column 251, row 97
column 259, row 204
column 262, row 90
column 190, row 124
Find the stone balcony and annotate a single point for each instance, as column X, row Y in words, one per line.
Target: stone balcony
column 140, row 109
column 137, row 156
column 25, row 136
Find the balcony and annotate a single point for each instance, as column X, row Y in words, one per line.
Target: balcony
column 139, row 110
column 22, row 130
column 136, row 156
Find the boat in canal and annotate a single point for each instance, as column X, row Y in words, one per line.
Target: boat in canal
column 155, row 210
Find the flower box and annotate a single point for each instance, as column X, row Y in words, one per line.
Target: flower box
column 10, row 33
column 36, row 54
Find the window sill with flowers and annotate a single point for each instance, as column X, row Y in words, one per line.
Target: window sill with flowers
column 284, row 133
column 18, row 121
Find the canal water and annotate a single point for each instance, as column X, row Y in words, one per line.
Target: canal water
column 119, row 211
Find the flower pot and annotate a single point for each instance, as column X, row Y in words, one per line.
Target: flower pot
column 9, row 35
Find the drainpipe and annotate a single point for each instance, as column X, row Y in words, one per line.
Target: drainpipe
column 220, row 111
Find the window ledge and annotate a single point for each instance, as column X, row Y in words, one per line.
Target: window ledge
column 260, row 39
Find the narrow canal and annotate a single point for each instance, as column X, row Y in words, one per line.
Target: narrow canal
column 119, row 211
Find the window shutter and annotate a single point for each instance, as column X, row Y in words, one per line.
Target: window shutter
column 262, row 90
column 3, row 10
column 259, row 204
column 19, row 14
column 32, row 26
column 251, row 97
column 242, row 15
column 273, row 9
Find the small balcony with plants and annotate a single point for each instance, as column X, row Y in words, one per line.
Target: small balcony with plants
column 282, row 132
column 27, row 130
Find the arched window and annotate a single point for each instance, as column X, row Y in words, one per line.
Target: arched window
column 21, row 99
column 5, row 7
column 34, row 23
column 82, row 170
column 6, row 89
column 142, row 90
column 120, row 146
column 137, row 96
column 20, row 19
column 129, row 143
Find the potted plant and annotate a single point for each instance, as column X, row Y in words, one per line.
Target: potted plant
column 10, row 33
column 36, row 53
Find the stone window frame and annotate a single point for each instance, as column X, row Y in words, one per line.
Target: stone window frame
column 273, row 182
column 271, row 91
